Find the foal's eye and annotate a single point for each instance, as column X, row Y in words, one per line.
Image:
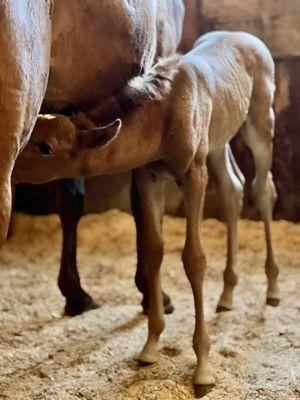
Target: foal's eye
column 45, row 149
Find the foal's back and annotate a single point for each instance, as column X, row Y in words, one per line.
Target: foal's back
column 233, row 68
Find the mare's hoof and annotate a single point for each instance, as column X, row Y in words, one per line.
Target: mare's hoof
column 220, row 309
column 79, row 305
column 202, row 390
column 273, row 302
column 168, row 306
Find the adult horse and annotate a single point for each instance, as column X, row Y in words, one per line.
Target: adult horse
column 115, row 39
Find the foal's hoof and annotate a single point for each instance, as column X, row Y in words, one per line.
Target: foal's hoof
column 148, row 356
column 76, row 306
column 144, row 363
column 220, row 309
column 168, row 306
column 202, row 390
column 273, row 302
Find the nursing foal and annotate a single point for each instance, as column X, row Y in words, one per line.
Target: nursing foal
column 171, row 121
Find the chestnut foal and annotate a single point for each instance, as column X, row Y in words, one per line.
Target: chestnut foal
column 183, row 112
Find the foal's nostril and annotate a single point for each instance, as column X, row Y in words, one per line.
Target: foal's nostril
column 45, row 149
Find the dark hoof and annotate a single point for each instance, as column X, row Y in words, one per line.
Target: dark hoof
column 144, row 364
column 169, row 308
column 167, row 305
column 273, row 302
column 202, row 390
column 220, row 309
column 77, row 306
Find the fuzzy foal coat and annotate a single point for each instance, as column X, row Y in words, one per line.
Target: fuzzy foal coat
column 184, row 111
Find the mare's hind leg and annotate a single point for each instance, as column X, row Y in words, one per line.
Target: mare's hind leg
column 259, row 137
column 140, row 276
column 231, row 190
column 150, row 190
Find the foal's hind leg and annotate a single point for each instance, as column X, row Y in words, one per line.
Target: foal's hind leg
column 259, row 135
column 140, row 276
column 151, row 194
column 231, row 189
column 194, row 261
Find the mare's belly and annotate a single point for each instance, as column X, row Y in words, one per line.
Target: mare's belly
column 96, row 47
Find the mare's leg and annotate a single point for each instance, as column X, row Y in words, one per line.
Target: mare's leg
column 150, row 189
column 70, row 211
column 24, row 64
column 11, row 227
column 231, row 190
column 193, row 256
column 140, row 278
column 259, row 137
column 6, row 165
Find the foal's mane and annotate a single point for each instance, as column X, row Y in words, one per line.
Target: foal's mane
column 139, row 91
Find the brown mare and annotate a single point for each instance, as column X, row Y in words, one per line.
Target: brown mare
column 56, row 38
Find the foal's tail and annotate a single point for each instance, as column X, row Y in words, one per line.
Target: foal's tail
column 235, row 167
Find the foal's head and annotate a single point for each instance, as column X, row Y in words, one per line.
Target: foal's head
column 57, row 145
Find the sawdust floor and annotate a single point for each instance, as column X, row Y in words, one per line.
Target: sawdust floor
column 255, row 348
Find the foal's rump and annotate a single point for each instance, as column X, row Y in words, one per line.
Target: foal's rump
column 238, row 72
column 247, row 48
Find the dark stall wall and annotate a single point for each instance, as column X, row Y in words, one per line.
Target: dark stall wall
column 287, row 138
column 277, row 22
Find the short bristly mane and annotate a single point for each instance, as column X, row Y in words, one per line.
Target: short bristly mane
column 139, row 91
column 154, row 85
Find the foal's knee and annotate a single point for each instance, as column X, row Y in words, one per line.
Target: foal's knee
column 264, row 192
column 194, row 263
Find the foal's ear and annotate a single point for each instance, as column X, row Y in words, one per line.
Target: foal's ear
column 99, row 136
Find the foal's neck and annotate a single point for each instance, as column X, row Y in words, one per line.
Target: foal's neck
column 141, row 106
column 138, row 143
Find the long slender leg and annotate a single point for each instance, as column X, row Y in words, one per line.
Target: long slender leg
column 23, row 79
column 70, row 211
column 193, row 256
column 151, row 194
column 11, row 227
column 258, row 135
column 5, row 207
column 231, row 190
column 140, row 277
column 8, row 154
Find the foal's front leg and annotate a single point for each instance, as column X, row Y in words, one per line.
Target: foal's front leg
column 194, row 261
column 140, row 276
column 151, row 194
